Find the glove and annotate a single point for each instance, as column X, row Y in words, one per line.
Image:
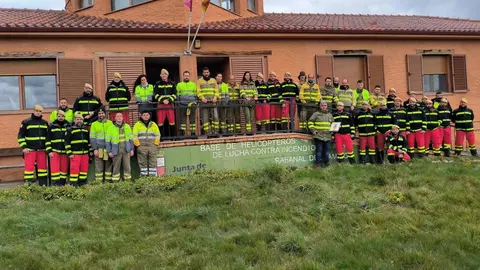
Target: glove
column 136, row 143
column 156, row 142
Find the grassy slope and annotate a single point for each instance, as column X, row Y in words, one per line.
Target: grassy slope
column 272, row 219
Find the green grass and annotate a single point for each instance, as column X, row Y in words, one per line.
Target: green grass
column 412, row 216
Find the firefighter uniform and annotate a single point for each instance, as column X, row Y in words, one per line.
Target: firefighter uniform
column 223, row 109
column 32, row 136
column 437, row 101
column 248, row 90
column 275, row 106
column 98, row 137
column 288, row 93
column 309, row 96
column 86, row 104
column 233, row 112
column 365, row 123
column 319, row 125
column 68, row 115
column 56, row 146
column 328, row 95
column 445, row 115
column 187, row 97
column 463, row 118
column 400, row 116
column 165, row 90
column 395, row 143
column 146, row 137
column 208, row 89
column 346, row 97
column 376, row 101
column 432, row 134
column 416, row 127
column 78, row 146
column 118, row 96
column 383, row 124
column 343, row 137
column 262, row 110
column 391, row 98
column 119, row 145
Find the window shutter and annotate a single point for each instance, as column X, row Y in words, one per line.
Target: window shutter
column 72, row 76
column 375, row 71
column 324, row 66
column 240, row 64
column 415, row 73
column 459, row 73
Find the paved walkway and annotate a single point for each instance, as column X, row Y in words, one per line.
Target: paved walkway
column 10, row 184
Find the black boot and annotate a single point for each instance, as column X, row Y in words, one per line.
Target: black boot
column 351, row 160
column 372, row 159
column 421, row 155
column 446, row 152
column 391, row 159
column 458, row 153
column 380, row 156
column 474, row 152
column 362, row 159
column 284, row 127
column 42, row 181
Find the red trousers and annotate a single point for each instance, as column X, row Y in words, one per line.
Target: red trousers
column 286, row 110
column 59, row 167
column 79, row 168
column 460, row 138
column 381, row 141
column 433, row 136
column 446, row 137
column 126, row 116
column 40, row 158
column 364, row 141
column 390, row 152
column 262, row 113
column 165, row 111
column 275, row 113
column 344, row 140
column 416, row 137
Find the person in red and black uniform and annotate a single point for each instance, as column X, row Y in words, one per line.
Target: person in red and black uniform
column 396, row 146
column 416, row 127
column 118, row 96
column 262, row 110
column 445, row 116
column 275, row 108
column 463, row 119
column 383, row 122
column 289, row 92
column 345, row 135
column 56, row 149
column 365, row 123
column 165, row 93
column 400, row 116
column 432, row 134
column 32, row 138
column 392, row 95
column 77, row 144
column 87, row 105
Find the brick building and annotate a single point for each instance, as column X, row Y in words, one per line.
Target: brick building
column 45, row 55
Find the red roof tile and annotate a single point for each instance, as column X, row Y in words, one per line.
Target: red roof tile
column 26, row 20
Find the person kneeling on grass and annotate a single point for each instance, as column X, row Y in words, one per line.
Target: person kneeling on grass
column 397, row 146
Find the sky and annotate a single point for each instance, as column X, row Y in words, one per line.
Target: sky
column 467, row 9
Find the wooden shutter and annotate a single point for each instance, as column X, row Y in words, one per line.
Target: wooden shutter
column 240, row 64
column 459, row 63
column 375, row 71
column 415, row 72
column 324, row 66
column 72, row 76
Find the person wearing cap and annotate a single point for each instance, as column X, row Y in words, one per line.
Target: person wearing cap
column 400, row 116
column 345, row 95
column 208, row 94
column 345, row 135
column 165, row 94
column 361, row 94
column 77, row 144
column 262, row 109
column 288, row 93
column 273, row 85
column 327, row 93
column 146, row 137
column 144, row 94
column 411, row 94
column 309, row 96
column 118, row 96
column 432, row 133
column 87, row 105
column 396, row 146
column 319, row 125
column 383, row 124
column 32, row 138
column 377, row 98
column 365, row 123
column 63, row 106
column 463, row 119
column 56, row 149
column 249, row 95
column 120, row 147
column 416, row 127
column 445, row 116
column 187, row 98
column 224, row 101
column 233, row 111
column 438, row 100
column 392, row 94
column 98, row 140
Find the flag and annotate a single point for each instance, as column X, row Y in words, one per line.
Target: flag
column 188, row 4
column 205, row 4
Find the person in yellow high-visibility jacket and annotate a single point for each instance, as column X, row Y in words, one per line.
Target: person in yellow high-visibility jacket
column 309, row 97
column 146, row 137
column 208, row 94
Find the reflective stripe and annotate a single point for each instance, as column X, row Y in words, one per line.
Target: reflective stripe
column 35, row 138
column 37, row 126
column 93, row 101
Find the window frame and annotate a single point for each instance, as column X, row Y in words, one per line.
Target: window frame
column 131, row 4
column 448, row 74
column 255, row 5
column 80, row 2
column 233, row 2
column 431, row 84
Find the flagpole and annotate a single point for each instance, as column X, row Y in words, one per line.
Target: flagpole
column 189, row 30
column 196, row 33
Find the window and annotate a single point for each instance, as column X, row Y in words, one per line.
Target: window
column 252, row 5
column 34, row 90
column 435, row 71
column 86, row 3
column 433, row 83
column 226, row 4
column 120, row 4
